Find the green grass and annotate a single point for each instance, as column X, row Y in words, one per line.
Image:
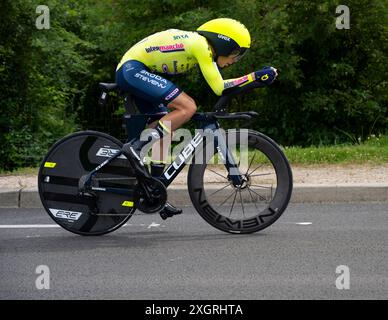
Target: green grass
column 20, row 171
column 373, row 151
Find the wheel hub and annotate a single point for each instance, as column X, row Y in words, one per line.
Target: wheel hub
column 245, row 182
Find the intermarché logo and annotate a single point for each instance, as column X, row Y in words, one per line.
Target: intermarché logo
column 166, row 48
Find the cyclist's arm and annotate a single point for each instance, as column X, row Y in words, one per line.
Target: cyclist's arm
column 212, row 75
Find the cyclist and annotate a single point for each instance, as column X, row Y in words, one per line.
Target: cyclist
column 217, row 44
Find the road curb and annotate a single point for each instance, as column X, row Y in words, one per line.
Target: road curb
column 178, row 195
column 29, row 198
column 339, row 193
column 9, row 198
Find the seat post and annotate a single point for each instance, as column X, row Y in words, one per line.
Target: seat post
column 129, row 104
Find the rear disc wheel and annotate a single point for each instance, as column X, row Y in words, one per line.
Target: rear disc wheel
column 93, row 212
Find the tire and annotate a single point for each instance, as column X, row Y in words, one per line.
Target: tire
column 70, row 159
column 259, row 202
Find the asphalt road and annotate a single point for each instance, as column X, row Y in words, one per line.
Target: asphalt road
column 185, row 258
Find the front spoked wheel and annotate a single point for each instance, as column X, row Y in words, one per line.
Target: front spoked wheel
column 262, row 196
column 67, row 165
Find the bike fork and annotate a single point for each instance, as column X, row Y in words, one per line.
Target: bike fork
column 227, row 157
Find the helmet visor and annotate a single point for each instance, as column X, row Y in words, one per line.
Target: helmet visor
column 241, row 53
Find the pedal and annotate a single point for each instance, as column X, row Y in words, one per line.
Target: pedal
column 169, row 211
column 165, row 215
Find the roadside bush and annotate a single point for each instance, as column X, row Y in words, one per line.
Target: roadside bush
column 332, row 86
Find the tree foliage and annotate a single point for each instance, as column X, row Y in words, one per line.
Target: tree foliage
column 332, row 83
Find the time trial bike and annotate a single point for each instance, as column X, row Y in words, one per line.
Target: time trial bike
column 239, row 180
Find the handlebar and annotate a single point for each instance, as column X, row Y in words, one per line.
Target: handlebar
column 244, row 115
column 223, row 101
column 206, row 116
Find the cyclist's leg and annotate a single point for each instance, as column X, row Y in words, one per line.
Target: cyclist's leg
column 135, row 77
column 160, row 150
column 156, row 91
column 158, row 110
column 151, row 90
column 184, row 108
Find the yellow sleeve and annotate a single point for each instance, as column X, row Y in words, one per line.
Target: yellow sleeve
column 209, row 69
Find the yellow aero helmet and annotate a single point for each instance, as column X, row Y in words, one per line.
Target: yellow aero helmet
column 226, row 36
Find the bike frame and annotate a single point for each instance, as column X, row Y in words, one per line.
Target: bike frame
column 184, row 157
column 210, row 124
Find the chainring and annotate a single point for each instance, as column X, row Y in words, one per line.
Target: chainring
column 158, row 193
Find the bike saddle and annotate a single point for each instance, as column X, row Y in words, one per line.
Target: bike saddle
column 108, row 86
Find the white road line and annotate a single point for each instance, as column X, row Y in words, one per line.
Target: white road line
column 153, row 225
column 297, row 223
column 26, row 226
column 37, row 226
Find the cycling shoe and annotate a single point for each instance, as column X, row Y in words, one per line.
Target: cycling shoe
column 168, row 211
